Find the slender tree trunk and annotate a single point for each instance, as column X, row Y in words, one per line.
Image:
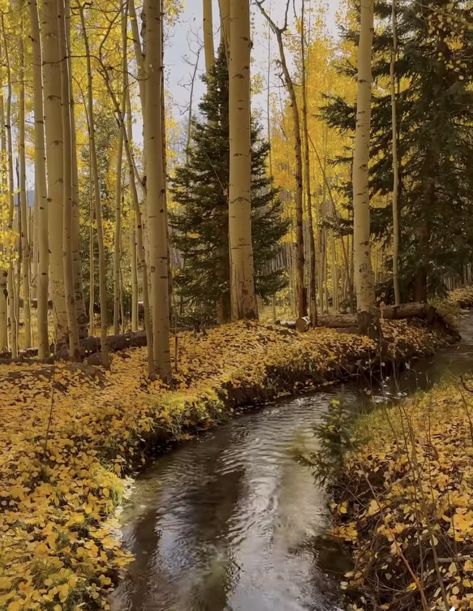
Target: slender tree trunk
column 12, row 289
column 208, row 35
column 67, row 187
column 155, row 184
column 133, row 175
column 54, row 156
column 224, row 6
column 312, row 251
column 134, row 280
column 24, row 236
column 41, row 197
column 81, row 314
column 365, row 296
column 139, row 57
column 300, row 289
column 242, row 278
column 395, row 203
column 119, row 186
column 91, row 257
column 97, row 197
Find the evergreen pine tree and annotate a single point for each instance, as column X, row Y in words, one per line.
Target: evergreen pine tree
column 200, row 222
column 435, row 113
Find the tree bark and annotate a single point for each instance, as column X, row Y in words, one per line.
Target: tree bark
column 300, row 289
column 242, row 278
column 209, row 48
column 67, row 183
column 97, row 196
column 24, row 234
column 155, row 187
column 395, row 161
column 54, row 156
column 308, row 190
column 364, row 284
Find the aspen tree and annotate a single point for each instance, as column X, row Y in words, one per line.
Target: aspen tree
column 40, row 185
column 208, row 35
column 155, row 187
column 97, row 195
column 54, row 157
column 127, row 129
column 75, row 222
column 23, row 217
column 363, row 274
column 300, row 290
column 119, row 185
column 134, row 278
column 308, row 182
column 11, row 283
column 139, row 57
column 395, row 160
column 242, row 279
column 67, row 185
column 224, row 6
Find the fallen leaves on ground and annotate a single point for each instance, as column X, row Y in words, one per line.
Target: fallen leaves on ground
column 408, row 505
column 69, row 433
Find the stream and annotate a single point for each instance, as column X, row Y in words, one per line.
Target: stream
column 231, row 521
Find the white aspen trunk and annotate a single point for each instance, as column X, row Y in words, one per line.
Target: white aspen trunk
column 24, row 236
column 41, row 199
column 395, row 195
column 363, row 273
column 139, row 57
column 81, row 314
column 155, row 199
column 242, row 278
column 12, row 288
column 74, row 348
column 209, row 47
column 54, row 156
column 97, row 197
column 308, row 190
column 119, row 187
column 224, row 6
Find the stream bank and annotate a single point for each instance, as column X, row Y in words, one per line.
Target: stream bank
column 232, row 520
column 70, row 434
column 404, row 498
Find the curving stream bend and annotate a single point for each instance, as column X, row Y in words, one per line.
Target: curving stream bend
column 232, row 522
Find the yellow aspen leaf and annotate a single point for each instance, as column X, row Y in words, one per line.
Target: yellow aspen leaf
column 5, row 583
column 63, row 591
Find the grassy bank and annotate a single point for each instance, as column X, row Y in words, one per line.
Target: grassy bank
column 405, row 505
column 69, row 435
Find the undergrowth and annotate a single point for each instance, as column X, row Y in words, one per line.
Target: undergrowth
column 69, row 434
column 404, row 504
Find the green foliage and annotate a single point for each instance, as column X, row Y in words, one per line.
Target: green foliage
column 200, row 222
column 335, row 439
column 435, row 113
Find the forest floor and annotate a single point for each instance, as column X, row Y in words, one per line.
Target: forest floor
column 69, row 435
column 404, row 501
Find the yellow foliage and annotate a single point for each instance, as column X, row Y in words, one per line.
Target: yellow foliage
column 69, row 434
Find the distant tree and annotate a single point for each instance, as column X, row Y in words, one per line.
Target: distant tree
column 200, row 221
column 434, row 103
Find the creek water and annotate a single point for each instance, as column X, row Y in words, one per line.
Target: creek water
column 231, row 521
